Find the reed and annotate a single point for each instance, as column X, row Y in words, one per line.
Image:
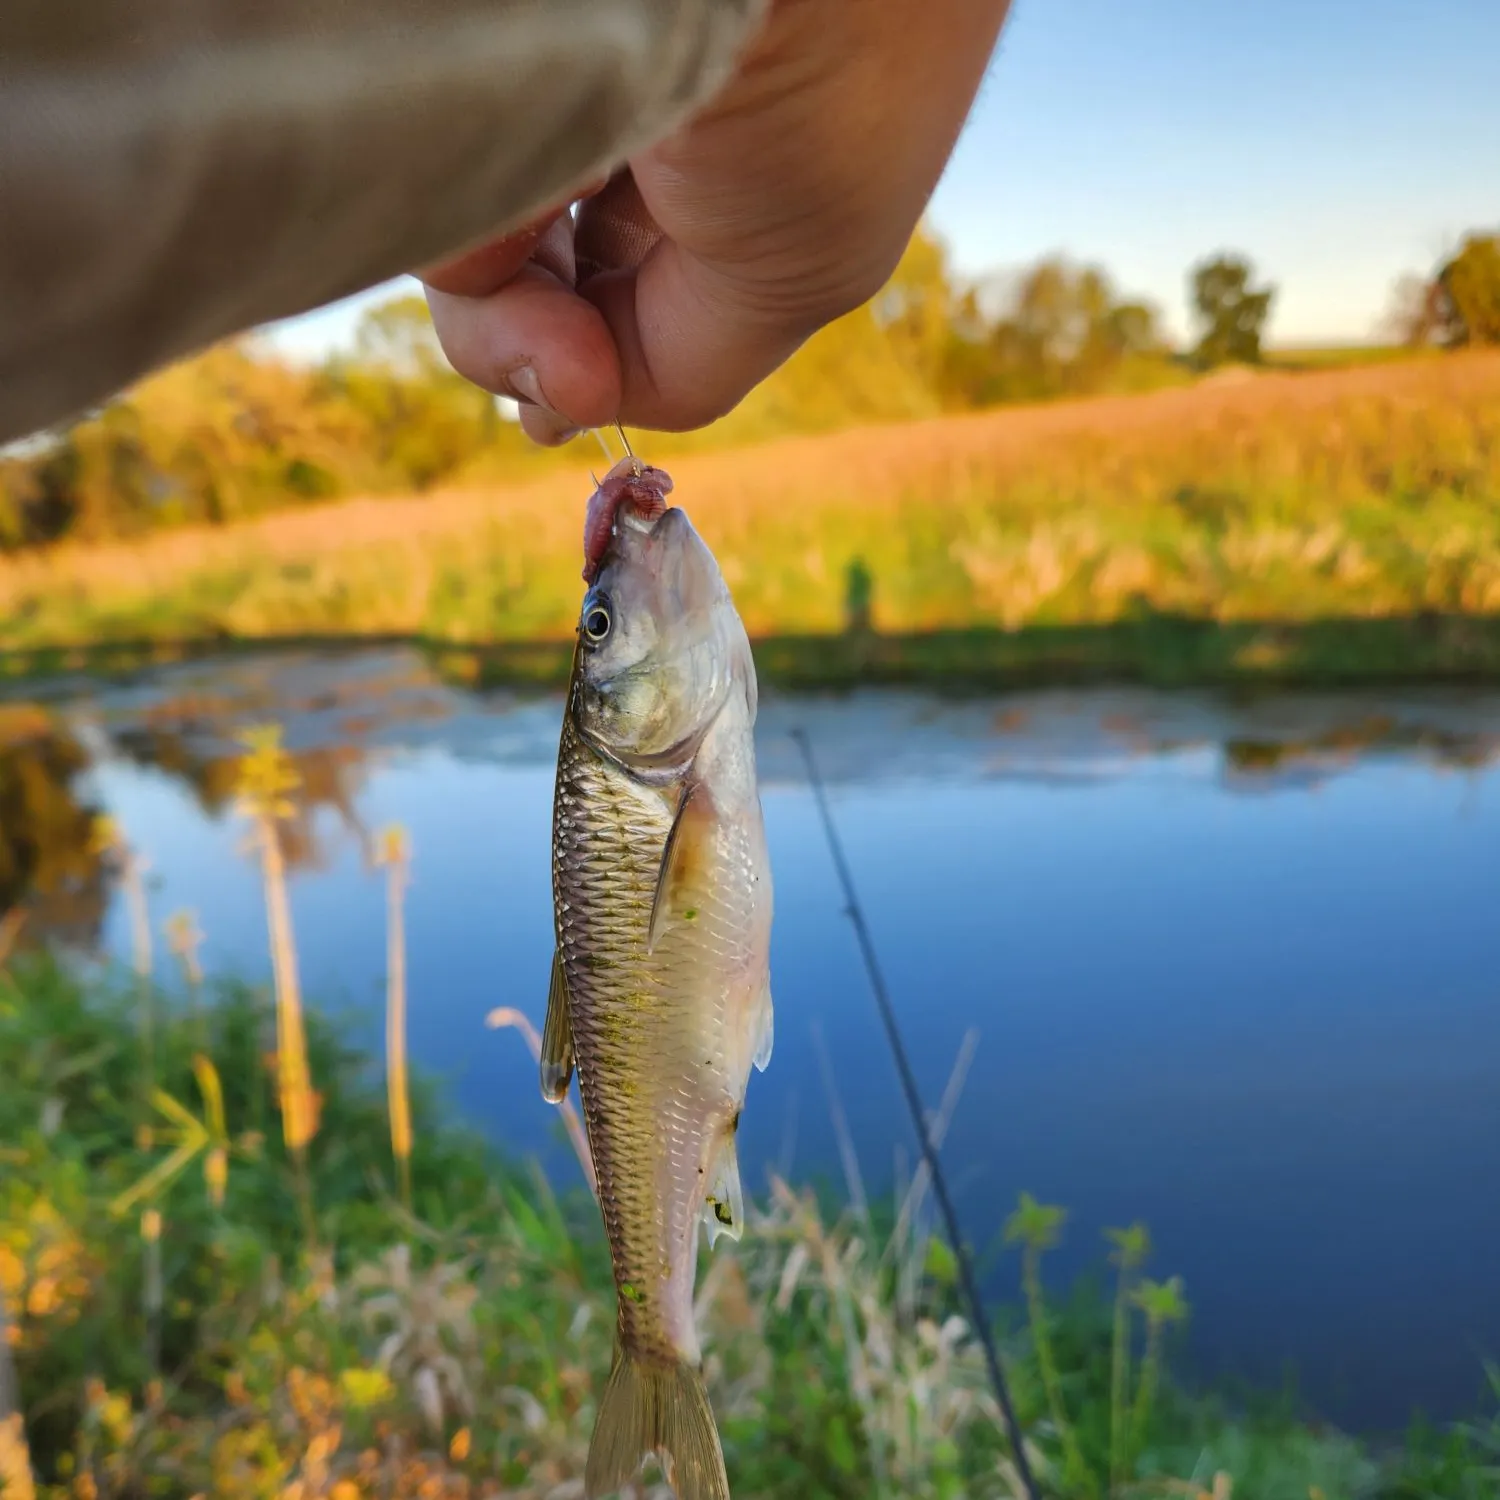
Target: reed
column 16, row 1480
column 1163, row 1304
column 108, row 840
column 507, row 1016
column 393, row 853
column 185, row 942
column 266, row 777
column 1129, row 1250
column 1036, row 1227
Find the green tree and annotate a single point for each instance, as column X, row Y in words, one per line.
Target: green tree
column 915, row 307
column 1415, row 313
column 1134, row 329
column 1469, row 288
column 424, row 420
column 1232, row 314
column 1059, row 330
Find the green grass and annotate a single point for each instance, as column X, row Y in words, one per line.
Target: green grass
column 830, row 1374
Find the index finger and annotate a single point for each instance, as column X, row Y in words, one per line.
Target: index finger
column 487, row 268
column 482, row 271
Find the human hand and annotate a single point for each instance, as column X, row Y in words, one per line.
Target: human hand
column 706, row 261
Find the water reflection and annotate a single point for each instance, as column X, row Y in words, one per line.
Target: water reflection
column 52, row 882
column 1232, row 958
column 330, row 777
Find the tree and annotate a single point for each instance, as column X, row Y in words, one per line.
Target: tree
column 1055, row 330
column 915, row 305
column 1458, row 306
column 1415, row 312
column 1232, row 314
column 426, row 421
column 1470, row 291
column 1133, row 329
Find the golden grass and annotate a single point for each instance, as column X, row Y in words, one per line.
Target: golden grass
column 1354, row 492
column 393, row 853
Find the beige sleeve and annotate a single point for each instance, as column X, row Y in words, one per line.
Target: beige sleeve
column 174, row 171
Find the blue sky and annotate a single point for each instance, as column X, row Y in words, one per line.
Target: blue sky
column 1338, row 143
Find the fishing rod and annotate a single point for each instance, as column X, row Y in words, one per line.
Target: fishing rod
column 919, row 1119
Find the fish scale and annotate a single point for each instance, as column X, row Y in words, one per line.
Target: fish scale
column 642, row 1033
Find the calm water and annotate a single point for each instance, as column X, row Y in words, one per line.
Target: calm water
column 1235, row 968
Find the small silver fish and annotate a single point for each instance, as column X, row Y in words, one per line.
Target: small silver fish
column 660, row 992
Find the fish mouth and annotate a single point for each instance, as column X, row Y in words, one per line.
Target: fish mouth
column 633, row 493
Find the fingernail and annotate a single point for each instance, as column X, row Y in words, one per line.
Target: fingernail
column 549, row 426
column 559, row 430
column 524, row 382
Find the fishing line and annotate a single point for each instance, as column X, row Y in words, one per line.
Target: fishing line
column 919, row 1119
column 609, row 455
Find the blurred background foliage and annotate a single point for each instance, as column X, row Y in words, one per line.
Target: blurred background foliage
column 239, row 429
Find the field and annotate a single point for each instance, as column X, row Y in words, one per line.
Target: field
column 1324, row 523
column 1337, row 356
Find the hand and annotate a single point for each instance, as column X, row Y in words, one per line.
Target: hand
column 707, row 260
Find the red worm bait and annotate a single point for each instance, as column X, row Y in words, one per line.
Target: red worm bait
column 640, row 486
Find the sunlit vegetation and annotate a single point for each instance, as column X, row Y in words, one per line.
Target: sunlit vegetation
column 234, row 1304
column 1360, row 497
column 1013, row 459
column 1458, row 305
column 237, row 432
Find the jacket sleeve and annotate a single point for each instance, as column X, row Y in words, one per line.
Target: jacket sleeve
column 175, row 171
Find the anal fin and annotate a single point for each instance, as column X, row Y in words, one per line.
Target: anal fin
column 763, row 1028
column 557, row 1036
column 724, row 1203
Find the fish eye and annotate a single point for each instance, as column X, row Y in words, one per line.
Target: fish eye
column 596, row 620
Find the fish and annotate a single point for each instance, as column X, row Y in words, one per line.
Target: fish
column 660, row 994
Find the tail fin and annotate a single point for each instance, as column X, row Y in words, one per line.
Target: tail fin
column 661, row 1409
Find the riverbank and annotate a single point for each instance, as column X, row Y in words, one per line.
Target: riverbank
column 1329, row 526
column 189, row 1302
column 1151, row 650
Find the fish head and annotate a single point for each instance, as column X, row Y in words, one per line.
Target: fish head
column 661, row 647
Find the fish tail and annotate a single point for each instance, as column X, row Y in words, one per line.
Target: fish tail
column 662, row 1409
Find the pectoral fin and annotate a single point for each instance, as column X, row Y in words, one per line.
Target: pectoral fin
column 724, row 1204
column 557, row 1036
column 688, row 845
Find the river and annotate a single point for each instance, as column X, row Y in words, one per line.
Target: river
column 1233, row 963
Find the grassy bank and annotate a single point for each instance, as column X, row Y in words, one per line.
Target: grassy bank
column 1157, row 650
column 1308, row 524
column 180, row 1327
